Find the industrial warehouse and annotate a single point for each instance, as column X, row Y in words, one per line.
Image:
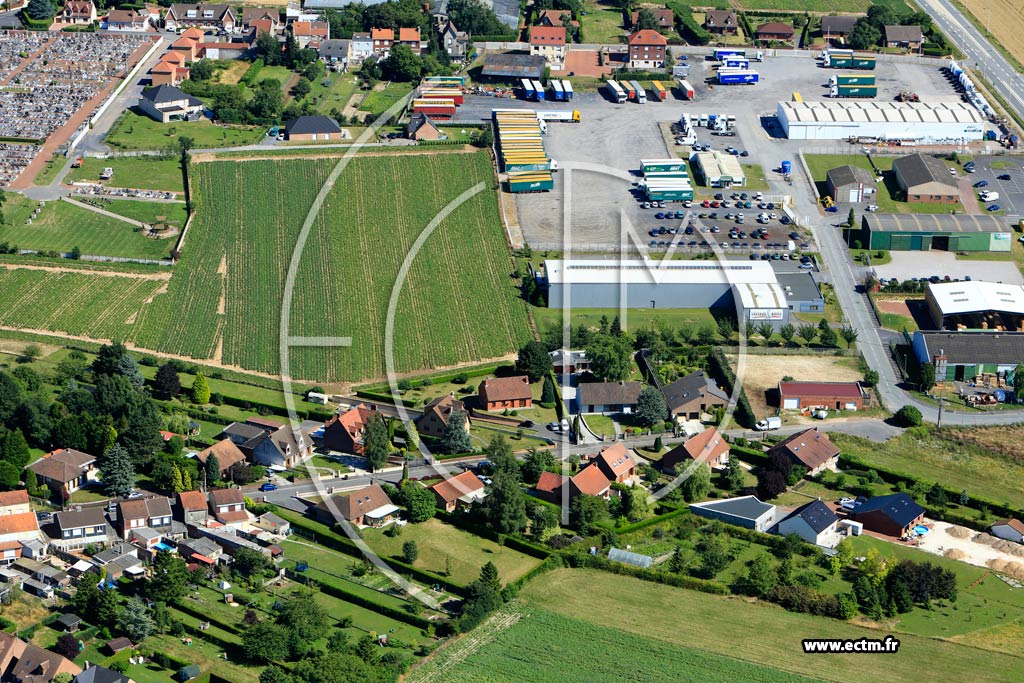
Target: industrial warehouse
column 966, row 356
column 926, row 232
column 976, row 305
column 719, row 170
column 921, row 121
column 751, row 286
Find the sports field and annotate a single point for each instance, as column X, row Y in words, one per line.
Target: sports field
column 224, row 301
column 681, row 621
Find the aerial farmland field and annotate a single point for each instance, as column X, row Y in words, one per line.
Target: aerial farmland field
column 224, row 301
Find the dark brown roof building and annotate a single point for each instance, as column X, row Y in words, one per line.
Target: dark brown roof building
column 505, row 392
column 810, row 448
column 368, row 506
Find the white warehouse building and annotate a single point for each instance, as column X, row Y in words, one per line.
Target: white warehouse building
column 606, row 283
column 926, row 121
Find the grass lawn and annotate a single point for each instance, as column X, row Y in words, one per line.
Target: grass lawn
column 279, row 73
column 138, row 132
column 61, row 226
column 532, row 644
column 50, row 170
column 467, row 552
column 144, row 173
column 819, row 164
column 600, row 424
column 637, row 318
column 769, row 635
column 231, row 71
column 755, row 178
column 172, row 213
column 603, row 22
column 946, row 456
column 378, row 101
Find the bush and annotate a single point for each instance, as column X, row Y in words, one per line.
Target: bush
column 908, row 416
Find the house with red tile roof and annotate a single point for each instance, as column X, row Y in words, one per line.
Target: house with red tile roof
column 410, row 37
column 1008, row 530
column 616, row 463
column 462, row 490
column 775, row 31
column 549, row 42
column 14, row 502
column 383, row 39
column 549, row 486
column 77, row 13
column 556, row 17
column 500, row 393
column 310, row 33
column 344, row 431
column 709, row 447
column 193, row 508
column 829, row 395
column 590, row 481
column 228, row 506
column 646, row 50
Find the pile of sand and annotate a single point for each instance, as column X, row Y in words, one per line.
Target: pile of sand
column 987, row 539
column 955, row 554
column 959, row 531
column 1014, row 569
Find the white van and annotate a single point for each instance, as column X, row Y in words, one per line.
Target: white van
column 988, row 196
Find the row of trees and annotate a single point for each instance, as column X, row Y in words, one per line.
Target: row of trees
column 868, row 30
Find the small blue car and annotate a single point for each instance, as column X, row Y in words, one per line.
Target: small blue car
column 268, row 487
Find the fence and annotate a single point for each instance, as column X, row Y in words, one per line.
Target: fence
column 108, row 259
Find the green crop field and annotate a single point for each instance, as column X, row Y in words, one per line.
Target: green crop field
column 535, row 645
column 60, row 226
column 758, row 633
column 458, row 302
column 143, row 173
column 74, row 303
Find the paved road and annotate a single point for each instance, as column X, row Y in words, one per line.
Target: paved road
column 989, row 61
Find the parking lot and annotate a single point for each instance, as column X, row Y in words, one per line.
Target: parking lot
column 604, row 150
column 924, row 264
column 1011, row 189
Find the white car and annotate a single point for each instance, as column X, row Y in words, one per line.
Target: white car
column 952, row 171
column 871, row 207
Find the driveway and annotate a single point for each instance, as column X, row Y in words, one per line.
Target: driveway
column 916, row 264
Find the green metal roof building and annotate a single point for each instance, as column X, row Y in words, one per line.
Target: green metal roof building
column 945, row 232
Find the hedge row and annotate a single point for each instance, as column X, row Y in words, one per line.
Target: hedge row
column 7, row 625
column 637, row 526
column 694, row 33
column 381, row 398
column 209, row 637
column 749, row 455
column 719, row 367
column 249, row 77
column 479, row 371
column 334, row 541
column 362, row 601
column 551, row 563
column 652, row 575
column 167, row 661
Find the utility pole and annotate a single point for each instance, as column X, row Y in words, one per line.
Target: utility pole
column 938, row 421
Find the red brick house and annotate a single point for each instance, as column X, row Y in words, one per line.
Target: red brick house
column 500, row 393
column 616, row 463
column 369, row 506
column 344, row 431
column 647, row 50
column 810, row 448
column 461, row 490
column 830, row 395
column 774, row 31
column 708, row 446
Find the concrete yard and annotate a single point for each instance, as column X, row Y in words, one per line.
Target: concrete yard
column 1011, row 192
column 916, row 264
column 604, row 150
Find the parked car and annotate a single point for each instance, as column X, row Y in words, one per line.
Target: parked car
column 871, row 207
column 981, row 183
column 1004, row 176
column 992, row 207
